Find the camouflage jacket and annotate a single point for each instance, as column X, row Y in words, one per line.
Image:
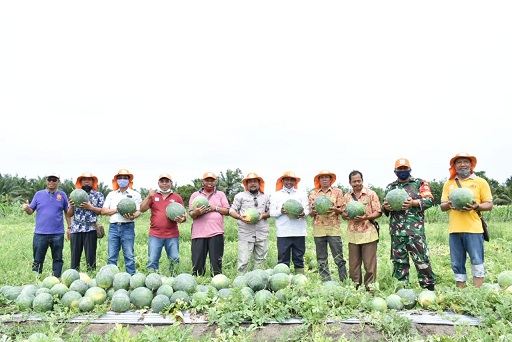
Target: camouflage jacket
column 411, row 221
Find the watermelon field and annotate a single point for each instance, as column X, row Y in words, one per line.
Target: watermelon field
column 234, row 307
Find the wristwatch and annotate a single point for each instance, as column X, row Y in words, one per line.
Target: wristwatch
column 217, row 209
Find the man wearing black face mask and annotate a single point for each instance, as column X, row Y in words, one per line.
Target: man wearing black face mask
column 82, row 232
column 407, row 226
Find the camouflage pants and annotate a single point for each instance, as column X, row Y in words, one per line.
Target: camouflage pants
column 416, row 247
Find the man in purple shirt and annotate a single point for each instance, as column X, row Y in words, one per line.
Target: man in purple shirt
column 51, row 206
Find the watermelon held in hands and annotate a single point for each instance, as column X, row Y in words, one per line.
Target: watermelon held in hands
column 174, row 210
column 79, row 196
column 252, row 215
column 126, row 206
column 322, row 204
column 396, row 198
column 460, row 197
column 200, row 201
column 293, row 208
column 355, row 208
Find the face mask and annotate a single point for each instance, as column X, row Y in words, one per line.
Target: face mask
column 165, row 192
column 86, row 188
column 123, row 183
column 463, row 173
column 209, row 188
column 403, row 175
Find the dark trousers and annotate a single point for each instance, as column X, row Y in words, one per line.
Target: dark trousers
column 294, row 246
column 40, row 244
column 364, row 254
column 322, row 256
column 200, row 249
column 87, row 242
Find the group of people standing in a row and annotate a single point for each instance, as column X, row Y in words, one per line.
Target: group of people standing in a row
column 406, row 226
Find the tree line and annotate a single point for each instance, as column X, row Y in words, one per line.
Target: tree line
column 14, row 189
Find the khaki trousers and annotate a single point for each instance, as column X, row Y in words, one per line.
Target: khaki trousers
column 364, row 254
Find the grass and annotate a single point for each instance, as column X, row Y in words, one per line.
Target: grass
column 16, row 230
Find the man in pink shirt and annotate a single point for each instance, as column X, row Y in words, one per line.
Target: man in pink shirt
column 208, row 226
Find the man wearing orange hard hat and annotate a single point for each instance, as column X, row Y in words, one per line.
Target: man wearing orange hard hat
column 82, row 233
column 252, row 231
column 121, row 232
column 466, row 227
column 290, row 226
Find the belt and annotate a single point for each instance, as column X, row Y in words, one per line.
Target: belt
column 121, row 223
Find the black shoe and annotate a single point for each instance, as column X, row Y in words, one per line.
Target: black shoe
column 430, row 287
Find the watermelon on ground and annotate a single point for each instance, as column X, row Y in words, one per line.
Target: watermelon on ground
column 185, row 282
column 43, row 302
column 120, row 303
column 141, row 297
column 69, row 276
column 505, row 279
column 220, row 281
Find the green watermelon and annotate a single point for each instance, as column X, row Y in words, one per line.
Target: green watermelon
column 13, row 292
column 408, row 298
column 184, row 282
column 79, row 196
column 159, row 303
column 121, row 281
column 378, row 304
column 252, row 214
column 49, row 281
column 322, row 204
column 220, row 281
column 153, row 281
column 293, row 208
column 180, row 296
column 173, row 210
column 126, row 206
column 239, row 281
column 396, row 198
column 141, row 297
column 460, row 197
column 43, row 302
column 200, row 201
column 426, row 298
column 281, row 268
column 69, row 276
column 505, row 279
column 261, row 298
column 355, row 208
column 120, row 303
column 394, row 302
column 279, row 281
column 24, row 301
column 224, row 293
column 79, row 286
column 104, row 278
column 86, row 304
column 166, row 290
column 137, row 280
column 97, row 294
column 59, row 290
column 70, row 299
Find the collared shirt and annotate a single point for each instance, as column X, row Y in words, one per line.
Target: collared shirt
column 49, row 208
column 246, row 231
column 467, row 221
column 211, row 223
column 286, row 226
column 160, row 225
column 84, row 219
column 328, row 224
column 115, row 196
column 363, row 231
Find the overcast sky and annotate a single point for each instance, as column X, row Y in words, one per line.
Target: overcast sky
column 264, row 86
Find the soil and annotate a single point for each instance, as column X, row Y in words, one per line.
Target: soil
column 278, row 332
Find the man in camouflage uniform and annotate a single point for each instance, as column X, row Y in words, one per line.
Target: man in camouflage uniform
column 407, row 226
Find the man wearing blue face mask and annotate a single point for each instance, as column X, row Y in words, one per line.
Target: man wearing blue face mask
column 121, row 232
column 407, row 226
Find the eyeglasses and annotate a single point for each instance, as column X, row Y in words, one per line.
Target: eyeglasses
column 255, row 201
column 52, row 179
